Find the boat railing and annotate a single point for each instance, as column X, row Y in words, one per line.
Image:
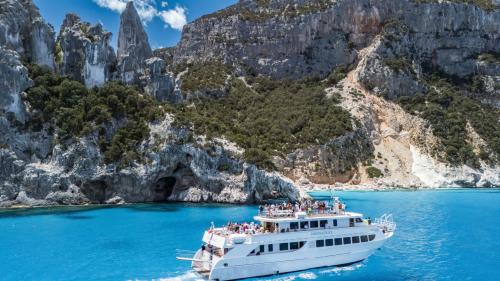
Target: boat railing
column 386, row 222
column 292, row 213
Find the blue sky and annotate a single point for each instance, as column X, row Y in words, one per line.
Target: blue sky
column 163, row 18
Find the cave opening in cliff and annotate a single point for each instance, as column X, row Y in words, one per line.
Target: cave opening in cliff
column 95, row 191
column 164, row 188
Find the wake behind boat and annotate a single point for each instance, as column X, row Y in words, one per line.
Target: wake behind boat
column 290, row 238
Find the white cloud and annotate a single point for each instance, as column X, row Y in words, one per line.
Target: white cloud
column 147, row 10
column 175, row 18
column 114, row 5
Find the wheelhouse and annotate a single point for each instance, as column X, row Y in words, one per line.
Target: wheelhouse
column 303, row 222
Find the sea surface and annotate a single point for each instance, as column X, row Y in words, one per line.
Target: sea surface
column 441, row 235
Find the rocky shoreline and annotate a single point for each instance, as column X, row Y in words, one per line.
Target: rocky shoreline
column 369, row 54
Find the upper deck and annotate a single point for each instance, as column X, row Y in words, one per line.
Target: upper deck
column 289, row 215
column 286, row 218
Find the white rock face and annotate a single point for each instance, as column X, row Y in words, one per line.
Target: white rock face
column 94, row 74
column 435, row 174
column 14, row 81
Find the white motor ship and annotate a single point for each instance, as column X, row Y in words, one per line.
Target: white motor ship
column 289, row 239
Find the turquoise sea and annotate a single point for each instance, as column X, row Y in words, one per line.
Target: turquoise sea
column 441, row 235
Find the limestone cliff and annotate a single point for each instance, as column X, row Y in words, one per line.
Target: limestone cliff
column 84, row 52
column 384, row 61
column 133, row 45
column 24, row 30
column 296, row 38
column 391, row 47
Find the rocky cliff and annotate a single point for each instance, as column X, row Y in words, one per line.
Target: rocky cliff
column 296, row 38
column 84, row 52
column 24, row 30
column 133, row 45
column 265, row 100
column 392, row 49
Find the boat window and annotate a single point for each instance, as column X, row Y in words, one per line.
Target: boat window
column 301, row 243
column 347, row 240
column 338, row 241
column 252, row 252
column 270, row 247
column 334, row 222
column 351, row 222
column 364, row 238
column 322, row 223
column 320, row 243
column 329, row 242
column 304, row 224
column 355, row 239
column 294, row 225
column 371, row 237
column 359, row 220
column 283, row 246
column 261, row 248
column 294, row 245
column 314, row 224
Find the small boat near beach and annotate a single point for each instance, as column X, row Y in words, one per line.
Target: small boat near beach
column 290, row 237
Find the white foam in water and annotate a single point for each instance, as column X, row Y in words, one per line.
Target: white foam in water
column 308, row 276
column 187, row 276
column 338, row 270
column 192, row 276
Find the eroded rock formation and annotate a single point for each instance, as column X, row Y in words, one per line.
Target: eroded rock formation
column 133, row 46
column 84, row 52
column 197, row 171
column 23, row 29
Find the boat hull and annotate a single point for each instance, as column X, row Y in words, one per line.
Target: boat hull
column 302, row 260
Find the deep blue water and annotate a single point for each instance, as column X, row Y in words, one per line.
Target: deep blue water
column 441, row 235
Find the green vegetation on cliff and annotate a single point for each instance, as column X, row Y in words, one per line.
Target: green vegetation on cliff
column 448, row 110
column 374, row 172
column 72, row 111
column 261, row 11
column 210, row 75
column 485, row 4
column 493, row 58
column 269, row 118
column 400, row 65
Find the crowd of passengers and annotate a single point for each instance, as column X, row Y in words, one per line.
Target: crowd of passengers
column 284, row 209
column 308, row 206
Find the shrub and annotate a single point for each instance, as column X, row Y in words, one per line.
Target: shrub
column 493, row 58
column 338, row 73
column 374, row 172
